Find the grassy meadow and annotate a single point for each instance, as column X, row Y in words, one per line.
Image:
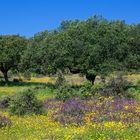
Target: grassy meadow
column 103, row 118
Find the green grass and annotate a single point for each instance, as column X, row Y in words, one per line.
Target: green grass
column 17, row 87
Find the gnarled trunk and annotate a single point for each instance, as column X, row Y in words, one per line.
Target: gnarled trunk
column 4, row 71
column 6, row 76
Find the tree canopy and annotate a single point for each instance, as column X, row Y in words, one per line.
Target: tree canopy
column 91, row 47
column 11, row 49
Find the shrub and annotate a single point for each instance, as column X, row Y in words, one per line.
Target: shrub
column 4, row 102
column 17, row 80
column 25, row 103
column 85, row 91
column 117, row 86
column 60, row 79
column 2, row 83
column 65, row 92
column 5, row 121
column 89, row 90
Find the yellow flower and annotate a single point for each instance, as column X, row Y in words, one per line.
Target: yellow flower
column 126, row 107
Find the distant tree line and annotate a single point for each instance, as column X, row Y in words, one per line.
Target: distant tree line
column 90, row 47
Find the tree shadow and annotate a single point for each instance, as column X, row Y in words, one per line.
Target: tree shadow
column 27, row 84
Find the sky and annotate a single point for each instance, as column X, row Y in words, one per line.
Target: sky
column 27, row 17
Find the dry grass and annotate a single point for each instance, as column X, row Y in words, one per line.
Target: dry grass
column 75, row 79
column 41, row 80
column 133, row 78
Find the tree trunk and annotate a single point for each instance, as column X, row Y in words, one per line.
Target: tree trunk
column 6, row 76
column 91, row 78
column 4, row 70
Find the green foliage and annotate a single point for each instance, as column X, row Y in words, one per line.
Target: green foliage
column 31, row 60
column 17, row 80
column 92, row 47
column 135, row 91
column 60, row 79
column 25, row 103
column 117, row 86
column 138, row 83
column 91, row 75
column 11, row 48
column 88, row 90
column 4, row 102
column 65, row 92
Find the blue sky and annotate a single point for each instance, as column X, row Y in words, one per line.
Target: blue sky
column 27, row 17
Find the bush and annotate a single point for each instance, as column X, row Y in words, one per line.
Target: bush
column 60, row 79
column 17, row 80
column 2, row 83
column 89, row 90
column 65, row 92
column 25, row 103
column 4, row 102
column 4, row 121
column 117, row 86
column 85, row 90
